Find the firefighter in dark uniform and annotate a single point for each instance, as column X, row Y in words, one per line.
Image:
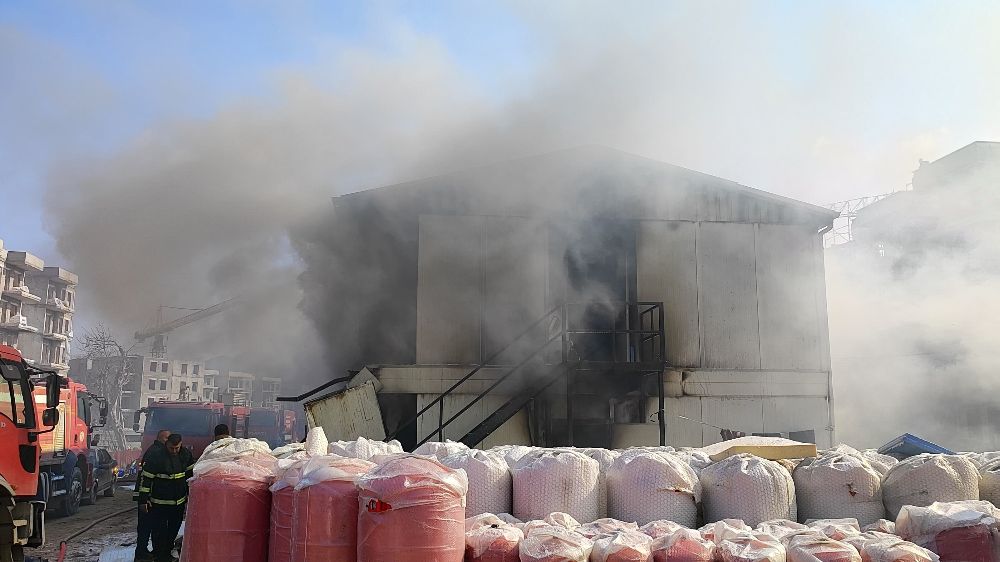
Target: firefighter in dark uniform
column 143, row 529
column 164, row 493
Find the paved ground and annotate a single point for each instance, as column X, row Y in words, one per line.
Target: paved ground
column 87, row 547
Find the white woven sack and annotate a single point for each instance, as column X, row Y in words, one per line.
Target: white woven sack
column 925, row 479
column 556, row 481
column 490, row 484
column 440, row 449
column 365, row 449
column 748, row 488
column 989, row 482
column 838, row 485
column 231, row 449
column 645, row 487
column 605, row 458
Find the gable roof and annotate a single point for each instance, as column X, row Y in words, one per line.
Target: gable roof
column 592, row 179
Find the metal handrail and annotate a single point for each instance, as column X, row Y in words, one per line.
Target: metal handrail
column 481, row 395
column 471, row 373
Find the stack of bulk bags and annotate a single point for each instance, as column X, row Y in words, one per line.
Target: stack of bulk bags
column 326, row 509
column 925, row 479
column 365, row 449
column 556, row 481
column 496, row 542
column 749, row 488
column 229, row 510
column 412, row 510
column 622, row 546
column 440, row 449
column 646, row 486
column 683, row 545
column 883, row 547
column 555, row 544
column 962, row 531
column 807, row 547
column 287, row 474
column 989, row 483
column 605, row 459
column 837, row 485
column 490, row 485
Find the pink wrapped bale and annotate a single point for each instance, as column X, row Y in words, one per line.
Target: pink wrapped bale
column 661, row 528
column 683, row 545
column 882, row 547
column 622, row 546
column 412, row 510
column 961, row 531
column 326, row 509
column 287, row 474
column 555, row 544
column 749, row 547
column 497, row 542
column 807, row 547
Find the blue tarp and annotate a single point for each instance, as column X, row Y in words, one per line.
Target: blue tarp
column 906, row 446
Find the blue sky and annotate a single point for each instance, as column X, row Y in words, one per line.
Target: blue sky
column 858, row 89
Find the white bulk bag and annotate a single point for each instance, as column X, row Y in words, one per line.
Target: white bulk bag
column 490, row 485
column 989, row 483
column 556, row 481
column 645, row 487
column 925, row 479
column 365, row 449
column 838, row 485
column 749, row 488
column 440, row 449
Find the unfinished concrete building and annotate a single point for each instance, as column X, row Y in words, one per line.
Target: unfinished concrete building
column 562, row 298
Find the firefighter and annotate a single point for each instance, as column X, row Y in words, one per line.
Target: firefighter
column 221, row 432
column 143, row 530
column 164, row 493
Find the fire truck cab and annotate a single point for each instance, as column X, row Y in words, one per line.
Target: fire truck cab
column 22, row 519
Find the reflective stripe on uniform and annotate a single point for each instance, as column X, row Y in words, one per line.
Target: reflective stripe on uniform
column 145, row 490
column 168, row 502
column 176, row 476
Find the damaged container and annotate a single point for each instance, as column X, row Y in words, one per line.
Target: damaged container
column 749, row 488
column 838, row 484
column 645, row 487
column 925, row 479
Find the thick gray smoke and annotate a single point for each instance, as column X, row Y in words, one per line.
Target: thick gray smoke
column 195, row 211
column 913, row 314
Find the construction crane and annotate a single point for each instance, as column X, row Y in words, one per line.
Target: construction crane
column 159, row 331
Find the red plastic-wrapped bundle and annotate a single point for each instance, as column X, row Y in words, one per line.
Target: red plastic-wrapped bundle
column 683, row 545
column 228, row 514
column 555, row 544
column 497, row 542
column 836, row 529
column 883, row 547
column 747, row 546
column 287, row 474
column 622, row 546
column 661, row 528
column 963, row 531
column 720, row 530
column 966, row 544
column 326, row 510
column 412, row 510
column 809, row 547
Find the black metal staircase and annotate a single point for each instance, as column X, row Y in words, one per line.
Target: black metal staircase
column 569, row 342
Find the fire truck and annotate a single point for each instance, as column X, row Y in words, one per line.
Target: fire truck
column 22, row 521
column 274, row 427
column 195, row 421
column 72, row 472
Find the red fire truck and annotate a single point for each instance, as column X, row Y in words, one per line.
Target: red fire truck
column 274, row 427
column 72, row 472
column 195, row 421
column 22, row 519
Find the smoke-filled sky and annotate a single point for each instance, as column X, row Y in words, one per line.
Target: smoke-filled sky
column 163, row 150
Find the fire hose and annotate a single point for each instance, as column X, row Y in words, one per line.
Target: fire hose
column 62, row 543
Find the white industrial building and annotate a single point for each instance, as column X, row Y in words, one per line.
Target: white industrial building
column 641, row 275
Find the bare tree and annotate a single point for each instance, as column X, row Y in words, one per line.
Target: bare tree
column 111, row 374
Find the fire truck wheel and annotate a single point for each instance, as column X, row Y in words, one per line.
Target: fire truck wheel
column 71, row 504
